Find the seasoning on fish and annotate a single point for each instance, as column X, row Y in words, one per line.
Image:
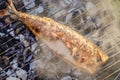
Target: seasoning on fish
column 86, row 56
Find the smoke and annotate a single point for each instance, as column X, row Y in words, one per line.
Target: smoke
column 113, row 7
column 51, row 70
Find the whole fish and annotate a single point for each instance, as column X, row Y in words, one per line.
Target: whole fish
column 84, row 55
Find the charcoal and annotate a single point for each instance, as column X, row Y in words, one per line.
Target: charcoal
column 22, row 74
column 4, row 30
column 26, row 67
column 12, row 78
column 11, row 43
column 37, row 78
column 3, row 65
column 13, row 17
column 16, row 41
column 34, row 46
column 19, row 65
column 21, row 37
column 31, row 75
column 20, row 47
column 7, row 37
column 38, row 2
column 7, row 20
column 29, row 36
column 1, row 62
column 3, row 39
column 67, row 78
column 98, row 43
column 1, row 35
column 12, row 47
column 9, row 30
column 90, row 7
column 6, row 60
column 11, row 52
column 97, row 22
column 32, row 65
column 26, row 43
column 4, row 47
column 2, row 4
column 31, row 2
column 2, row 73
column 28, row 55
column 13, row 61
column 19, row 29
column 9, row 71
column 19, row 5
column 14, row 64
column 1, row 24
column 16, row 24
column 29, row 58
column 20, row 60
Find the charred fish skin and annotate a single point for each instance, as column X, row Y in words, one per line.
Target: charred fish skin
column 86, row 54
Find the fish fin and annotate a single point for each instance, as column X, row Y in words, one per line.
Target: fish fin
column 11, row 6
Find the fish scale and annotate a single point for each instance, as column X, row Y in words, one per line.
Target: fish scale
column 89, row 56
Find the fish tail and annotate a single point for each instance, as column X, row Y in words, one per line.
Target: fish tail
column 12, row 7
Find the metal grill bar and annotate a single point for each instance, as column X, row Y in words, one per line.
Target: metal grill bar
column 111, row 74
column 14, row 72
column 104, row 68
column 108, row 50
column 86, row 11
column 112, row 64
column 11, row 39
column 109, row 66
column 10, row 48
column 104, row 18
column 117, row 76
column 14, row 54
column 15, row 45
column 59, row 10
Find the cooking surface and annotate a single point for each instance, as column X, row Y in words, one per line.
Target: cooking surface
column 90, row 18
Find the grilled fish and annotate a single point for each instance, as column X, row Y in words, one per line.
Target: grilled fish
column 84, row 55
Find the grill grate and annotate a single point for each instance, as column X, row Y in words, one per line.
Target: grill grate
column 12, row 46
column 15, row 43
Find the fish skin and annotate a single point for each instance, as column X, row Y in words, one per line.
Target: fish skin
column 86, row 54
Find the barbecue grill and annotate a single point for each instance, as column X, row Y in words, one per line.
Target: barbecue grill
column 18, row 46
